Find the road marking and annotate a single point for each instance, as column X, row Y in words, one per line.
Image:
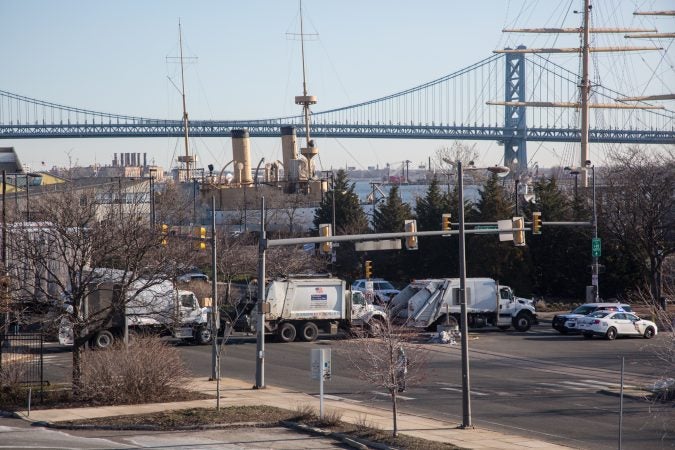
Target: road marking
column 606, row 384
column 480, row 394
column 338, row 398
column 596, row 384
column 402, row 397
column 558, row 386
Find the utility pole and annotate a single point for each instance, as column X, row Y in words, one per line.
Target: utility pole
column 260, row 325
column 215, row 359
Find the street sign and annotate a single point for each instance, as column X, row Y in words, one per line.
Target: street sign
column 595, row 247
column 320, row 364
column 505, row 230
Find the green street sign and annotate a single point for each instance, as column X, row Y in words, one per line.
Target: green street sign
column 595, row 247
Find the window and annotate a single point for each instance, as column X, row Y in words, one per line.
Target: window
column 187, row 301
column 381, row 285
column 358, row 298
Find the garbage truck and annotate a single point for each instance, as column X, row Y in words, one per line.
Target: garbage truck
column 300, row 307
column 432, row 302
column 148, row 307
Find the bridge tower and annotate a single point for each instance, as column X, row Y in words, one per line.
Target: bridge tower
column 515, row 126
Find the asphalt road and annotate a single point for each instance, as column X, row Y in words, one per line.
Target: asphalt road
column 539, row 384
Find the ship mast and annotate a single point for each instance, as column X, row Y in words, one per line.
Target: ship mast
column 309, row 151
column 585, row 84
column 186, row 124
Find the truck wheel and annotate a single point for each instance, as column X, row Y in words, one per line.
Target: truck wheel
column 287, row 332
column 203, row 336
column 309, row 332
column 375, row 327
column 522, row 322
column 104, row 339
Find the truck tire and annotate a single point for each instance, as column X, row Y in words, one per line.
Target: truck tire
column 287, row 332
column 309, row 332
column 375, row 327
column 103, row 339
column 203, row 336
column 522, row 322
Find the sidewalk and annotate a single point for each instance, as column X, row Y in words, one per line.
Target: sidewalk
column 236, row 392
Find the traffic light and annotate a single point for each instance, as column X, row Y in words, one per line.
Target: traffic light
column 201, row 235
column 445, row 224
column 411, row 241
column 164, row 231
column 369, row 269
column 326, row 230
column 518, row 233
column 536, row 223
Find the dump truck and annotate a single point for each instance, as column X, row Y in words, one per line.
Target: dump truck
column 300, row 307
column 157, row 308
column 428, row 303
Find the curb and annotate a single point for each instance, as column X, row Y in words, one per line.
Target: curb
column 351, row 441
column 214, row 426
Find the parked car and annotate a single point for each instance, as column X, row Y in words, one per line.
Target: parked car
column 193, row 276
column 567, row 323
column 382, row 289
column 612, row 324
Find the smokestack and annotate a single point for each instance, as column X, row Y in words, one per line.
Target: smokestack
column 145, row 160
column 241, row 153
column 138, row 159
column 114, row 163
column 289, row 149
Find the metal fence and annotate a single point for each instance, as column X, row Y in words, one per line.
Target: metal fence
column 21, row 359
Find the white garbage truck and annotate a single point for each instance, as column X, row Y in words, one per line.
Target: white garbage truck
column 428, row 303
column 299, row 307
column 158, row 308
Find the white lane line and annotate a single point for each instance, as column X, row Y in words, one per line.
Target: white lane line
column 480, row 394
column 559, row 386
column 606, row 384
column 339, row 399
column 402, row 397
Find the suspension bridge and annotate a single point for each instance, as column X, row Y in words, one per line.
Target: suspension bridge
column 455, row 106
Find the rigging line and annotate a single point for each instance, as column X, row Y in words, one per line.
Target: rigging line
column 349, row 153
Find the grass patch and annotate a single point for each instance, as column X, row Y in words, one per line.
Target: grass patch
column 61, row 396
column 266, row 416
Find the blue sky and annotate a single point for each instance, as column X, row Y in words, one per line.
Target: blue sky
column 110, row 56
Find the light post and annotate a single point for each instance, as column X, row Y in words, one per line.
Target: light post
column 464, row 329
column 332, row 185
column 595, row 269
column 575, row 172
column 152, row 197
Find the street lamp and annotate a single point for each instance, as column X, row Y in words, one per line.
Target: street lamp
column 152, row 197
column 466, row 383
column 574, row 171
column 595, row 270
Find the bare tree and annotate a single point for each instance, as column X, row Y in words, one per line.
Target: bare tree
column 640, row 209
column 386, row 357
column 82, row 232
column 457, row 151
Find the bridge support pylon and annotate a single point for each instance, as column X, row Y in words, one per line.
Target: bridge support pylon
column 515, row 125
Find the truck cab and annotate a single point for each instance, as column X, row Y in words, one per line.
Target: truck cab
column 515, row 311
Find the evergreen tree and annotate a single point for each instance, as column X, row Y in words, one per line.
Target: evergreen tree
column 558, row 265
column 434, row 257
column 349, row 216
column 390, row 217
column 349, row 219
column 486, row 256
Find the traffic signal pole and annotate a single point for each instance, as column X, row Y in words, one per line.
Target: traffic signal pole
column 260, row 325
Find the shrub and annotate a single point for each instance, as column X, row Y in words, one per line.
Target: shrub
column 147, row 371
column 12, row 389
